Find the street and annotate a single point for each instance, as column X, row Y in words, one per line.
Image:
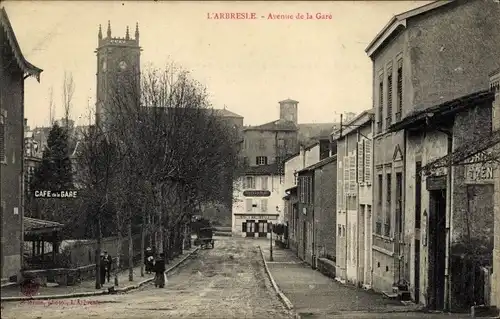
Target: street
column 228, row 281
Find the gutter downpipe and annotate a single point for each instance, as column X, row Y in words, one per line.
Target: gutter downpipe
column 449, row 186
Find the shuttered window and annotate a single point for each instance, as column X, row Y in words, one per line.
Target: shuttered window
column 368, row 161
column 248, row 204
column 380, row 103
column 352, row 177
column 264, row 183
column 263, row 205
column 399, row 89
column 389, row 98
column 346, row 175
column 361, row 163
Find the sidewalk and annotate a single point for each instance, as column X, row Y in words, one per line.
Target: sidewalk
column 89, row 285
column 312, row 293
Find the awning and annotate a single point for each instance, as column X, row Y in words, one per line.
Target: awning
column 38, row 226
column 463, row 154
column 420, row 118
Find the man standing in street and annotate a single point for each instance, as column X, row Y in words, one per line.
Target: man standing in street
column 108, row 263
column 159, row 268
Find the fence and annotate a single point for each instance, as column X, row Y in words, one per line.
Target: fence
column 83, row 253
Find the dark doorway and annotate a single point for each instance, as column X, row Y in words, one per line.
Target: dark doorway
column 250, row 228
column 304, row 238
column 417, row 271
column 262, row 228
column 437, row 248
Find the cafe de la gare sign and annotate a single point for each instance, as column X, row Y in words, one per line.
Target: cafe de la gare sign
column 479, row 171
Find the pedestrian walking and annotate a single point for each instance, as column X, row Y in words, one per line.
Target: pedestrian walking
column 108, row 262
column 159, row 268
column 102, row 269
column 149, row 260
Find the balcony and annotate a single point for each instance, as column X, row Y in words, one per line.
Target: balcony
column 398, row 116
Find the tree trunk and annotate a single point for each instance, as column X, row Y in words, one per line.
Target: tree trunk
column 130, row 252
column 143, row 239
column 98, row 255
column 118, row 253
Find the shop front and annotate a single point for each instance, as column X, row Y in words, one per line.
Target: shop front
column 255, row 225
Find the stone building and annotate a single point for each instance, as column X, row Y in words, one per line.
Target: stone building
column 293, row 164
column 258, row 194
column 118, row 73
column 14, row 69
column 354, row 200
column 264, row 150
column 419, row 65
column 32, row 156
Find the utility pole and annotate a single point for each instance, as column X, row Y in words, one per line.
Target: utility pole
column 271, row 242
column 341, row 125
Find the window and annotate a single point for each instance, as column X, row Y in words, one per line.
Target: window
column 399, row 88
column 245, row 161
column 389, row 98
column 3, row 141
column 249, row 182
column 263, row 205
column 264, row 183
column 399, row 202
column 339, row 231
column 361, row 162
column 368, row 161
column 305, row 189
column 261, row 160
column 380, row 103
column 388, row 209
column 418, row 194
column 248, row 204
column 281, row 143
column 378, row 223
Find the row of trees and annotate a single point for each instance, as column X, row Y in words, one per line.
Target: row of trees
column 156, row 153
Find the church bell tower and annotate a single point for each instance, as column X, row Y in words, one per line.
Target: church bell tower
column 118, row 72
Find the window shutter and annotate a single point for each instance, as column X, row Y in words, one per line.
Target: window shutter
column 340, row 194
column 352, row 179
column 346, row 175
column 264, row 182
column 249, row 204
column 244, row 183
column 263, row 205
column 361, row 163
column 368, row 161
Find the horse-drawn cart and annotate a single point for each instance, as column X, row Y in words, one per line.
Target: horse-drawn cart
column 205, row 238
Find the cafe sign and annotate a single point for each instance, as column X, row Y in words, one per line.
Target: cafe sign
column 480, row 171
column 260, row 217
column 257, row 193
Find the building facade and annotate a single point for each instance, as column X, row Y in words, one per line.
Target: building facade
column 14, row 69
column 412, row 70
column 257, row 195
column 354, row 200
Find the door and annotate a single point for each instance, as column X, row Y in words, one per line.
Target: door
column 417, row 271
column 304, row 239
column 262, row 228
column 250, row 229
column 437, row 248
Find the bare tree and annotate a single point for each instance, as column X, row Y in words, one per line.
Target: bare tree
column 51, row 107
column 67, row 96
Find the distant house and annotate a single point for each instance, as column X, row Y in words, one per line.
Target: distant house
column 14, row 69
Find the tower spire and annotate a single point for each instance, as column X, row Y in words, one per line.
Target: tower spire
column 109, row 29
column 137, row 31
column 127, row 35
column 99, row 35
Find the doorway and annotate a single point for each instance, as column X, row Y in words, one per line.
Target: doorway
column 262, row 228
column 437, row 249
column 249, row 228
column 304, row 239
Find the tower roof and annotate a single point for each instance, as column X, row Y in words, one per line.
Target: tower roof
column 126, row 41
column 288, row 101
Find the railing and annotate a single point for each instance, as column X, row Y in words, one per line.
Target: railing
column 398, row 116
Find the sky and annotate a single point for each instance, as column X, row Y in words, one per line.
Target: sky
column 246, row 65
